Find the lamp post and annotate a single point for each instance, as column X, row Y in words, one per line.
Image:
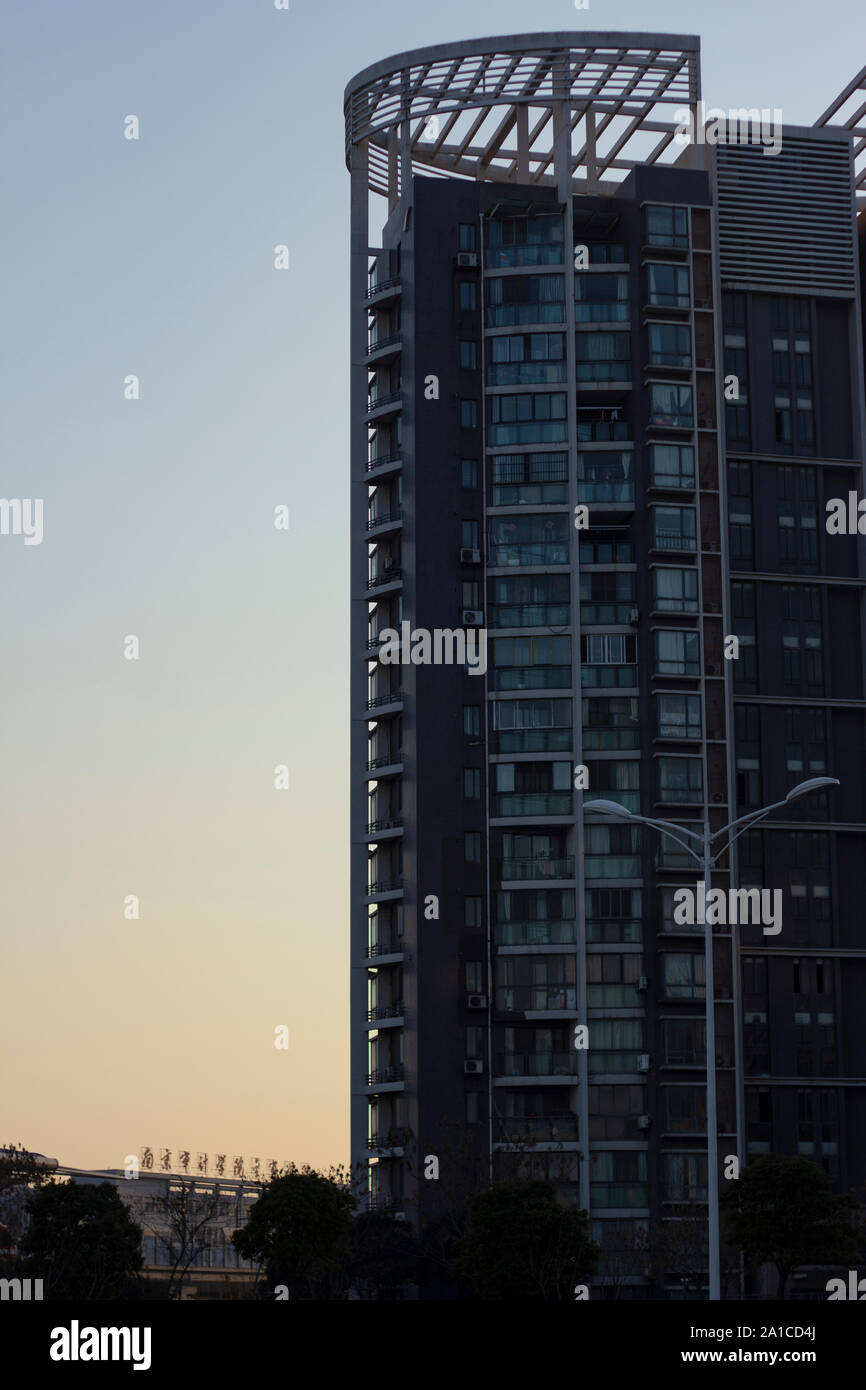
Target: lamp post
column 703, row 854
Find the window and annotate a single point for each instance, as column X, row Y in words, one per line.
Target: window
column 612, row 851
column 677, row 653
column 533, row 726
column 601, row 298
column 466, row 235
column 685, row 1042
column 671, row 406
column 675, row 590
column 608, row 659
column 472, row 721
column 472, row 784
column 618, row 1179
column 674, row 528
column 670, row 345
column 513, row 241
column 474, row 976
column 607, row 597
column 468, row 294
column 470, row 591
column 469, row 534
column 521, row 478
column 519, row 299
column 740, row 515
column 474, row 1099
column 668, row 286
column 533, row 418
column 798, row 518
column 617, row 1043
column 681, row 779
column 685, row 1109
column 526, row 359
column 469, row 354
column 743, row 612
column 748, row 750
column 474, row 1041
column 472, row 846
column 685, row 1177
column 612, row 981
column 610, row 723
column 802, row 640
column 605, row 476
column 522, row 663
column 679, row 716
column 613, row 915
column 603, row 356
column 672, row 465
column 664, row 226
column 595, row 552
column 468, row 415
column 468, row 473
column 613, row 1111
column 529, row 540
column 471, row 915
column 684, row 976
column 736, row 364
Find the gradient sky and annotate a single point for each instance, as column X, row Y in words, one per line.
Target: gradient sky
column 155, row 777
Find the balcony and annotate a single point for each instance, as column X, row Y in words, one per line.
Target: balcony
column 390, row 697
column 388, row 576
column 531, row 741
column 535, row 998
column 385, row 520
column 538, row 1129
column 529, row 614
column 384, row 290
column 557, row 803
column 673, row 540
column 382, row 1011
column 536, row 1064
column 532, row 677
column 536, row 868
column 384, row 885
column 389, row 1139
column 384, row 824
column 386, row 1076
column 385, row 760
column 528, row 555
column 384, row 348
column 536, row 932
column 384, row 463
column 384, row 405
column 384, row 948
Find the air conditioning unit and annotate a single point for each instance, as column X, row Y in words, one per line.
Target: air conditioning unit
column 469, row 556
column 467, row 260
column 643, row 1062
column 642, row 984
column 472, row 617
column 476, row 1001
column 473, row 1068
column 644, row 1122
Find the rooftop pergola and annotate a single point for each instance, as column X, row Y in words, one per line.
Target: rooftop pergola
column 494, row 109
column 855, row 121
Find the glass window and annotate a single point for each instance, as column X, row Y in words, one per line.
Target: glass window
column 605, row 476
column 469, row 534
column 602, row 356
column 517, row 299
column 685, row 1177
column 468, row 354
column 681, row 779
column 678, row 653
column 472, row 783
column 684, row 976
column 472, row 721
column 672, row 465
column 472, row 846
column 685, row 1042
column 665, row 226
column 670, row 344
column 466, row 236
column 472, row 912
column 674, row 528
column 668, row 285
column 675, row 590
column 468, row 295
column 679, row 716
column 468, row 472
column 671, row 406
column 532, row 418
column 468, row 415
column 601, row 298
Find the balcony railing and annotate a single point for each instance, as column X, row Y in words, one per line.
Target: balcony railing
column 538, row 1129
column 386, row 577
column 533, row 804
column 384, row 885
column 532, row 677
column 385, row 1074
column 387, row 340
column 390, row 1139
column 383, row 398
column 536, row 1064
column 537, row 868
column 385, row 1011
column 561, row 932
column 532, row 553
column 384, row 518
column 384, row 948
column 532, row 740
column 606, row 614
column 384, row 823
column 529, row 614
column 673, row 540
column 523, row 998
column 391, row 284
column 382, row 459
column 389, row 698
column 384, row 760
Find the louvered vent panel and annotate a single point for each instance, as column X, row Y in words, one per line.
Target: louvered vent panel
column 786, row 221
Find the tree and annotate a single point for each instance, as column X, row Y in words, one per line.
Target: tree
column 383, row 1255
column 299, row 1230
column 522, row 1243
column 182, row 1221
column 82, row 1242
column 678, row 1247
column 20, row 1173
column 782, row 1211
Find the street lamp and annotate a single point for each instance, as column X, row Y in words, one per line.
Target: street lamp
column 704, row 856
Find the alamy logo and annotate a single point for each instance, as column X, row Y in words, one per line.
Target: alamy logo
column 738, row 905
column 443, row 646
column 22, row 516
column 101, row 1344
column 855, row 1291
column 21, row 1290
column 719, row 127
